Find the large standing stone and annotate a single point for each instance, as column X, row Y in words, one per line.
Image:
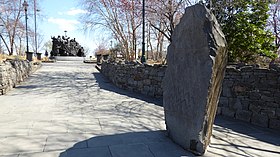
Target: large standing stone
column 196, row 65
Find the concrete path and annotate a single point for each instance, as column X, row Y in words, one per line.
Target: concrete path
column 67, row 109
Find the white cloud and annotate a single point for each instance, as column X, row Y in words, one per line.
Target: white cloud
column 60, row 13
column 64, row 24
column 74, row 11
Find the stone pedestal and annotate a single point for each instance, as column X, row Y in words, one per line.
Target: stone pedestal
column 29, row 56
column 39, row 56
column 196, row 65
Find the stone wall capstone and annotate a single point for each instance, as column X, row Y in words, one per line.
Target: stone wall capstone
column 13, row 72
column 249, row 93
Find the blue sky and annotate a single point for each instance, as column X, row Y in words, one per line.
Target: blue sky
column 60, row 15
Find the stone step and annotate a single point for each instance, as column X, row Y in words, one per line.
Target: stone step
column 69, row 58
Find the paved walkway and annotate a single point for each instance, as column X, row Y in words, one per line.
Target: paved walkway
column 67, row 109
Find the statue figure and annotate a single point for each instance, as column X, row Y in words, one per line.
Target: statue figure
column 46, row 53
column 62, row 46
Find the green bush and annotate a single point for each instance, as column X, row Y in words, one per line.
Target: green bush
column 244, row 25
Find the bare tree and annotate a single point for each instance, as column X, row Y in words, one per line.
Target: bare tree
column 11, row 13
column 165, row 15
column 48, row 46
column 20, row 35
column 12, row 17
column 123, row 19
column 274, row 21
column 101, row 49
column 120, row 17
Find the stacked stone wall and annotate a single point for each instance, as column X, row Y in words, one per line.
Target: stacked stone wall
column 12, row 72
column 143, row 79
column 252, row 94
column 249, row 93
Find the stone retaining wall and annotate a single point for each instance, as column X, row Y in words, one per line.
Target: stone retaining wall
column 143, row 79
column 252, row 94
column 12, row 72
column 249, row 93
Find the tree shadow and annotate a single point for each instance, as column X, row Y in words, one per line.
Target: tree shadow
column 105, row 84
column 231, row 137
column 232, row 127
column 132, row 144
column 236, row 138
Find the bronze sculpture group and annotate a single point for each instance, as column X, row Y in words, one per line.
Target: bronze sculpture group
column 64, row 46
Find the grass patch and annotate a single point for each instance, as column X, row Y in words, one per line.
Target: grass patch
column 4, row 57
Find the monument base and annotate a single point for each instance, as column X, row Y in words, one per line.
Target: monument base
column 29, row 56
column 69, row 58
column 39, row 56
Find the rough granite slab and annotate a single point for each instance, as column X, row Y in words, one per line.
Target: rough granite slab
column 196, row 65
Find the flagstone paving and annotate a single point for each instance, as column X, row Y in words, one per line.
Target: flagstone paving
column 67, row 109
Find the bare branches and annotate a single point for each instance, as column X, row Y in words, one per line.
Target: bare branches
column 11, row 14
column 123, row 19
column 166, row 13
column 118, row 16
column 274, row 21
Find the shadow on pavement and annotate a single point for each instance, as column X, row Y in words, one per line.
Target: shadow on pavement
column 132, row 144
column 231, row 137
column 236, row 138
column 233, row 127
column 227, row 140
column 105, row 84
column 78, row 93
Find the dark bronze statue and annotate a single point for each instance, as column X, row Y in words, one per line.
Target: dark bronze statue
column 62, row 46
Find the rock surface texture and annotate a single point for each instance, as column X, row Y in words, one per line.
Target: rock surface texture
column 192, row 84
column 13, row 72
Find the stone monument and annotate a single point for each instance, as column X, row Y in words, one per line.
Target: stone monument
column 65, row 47
column 196, row 61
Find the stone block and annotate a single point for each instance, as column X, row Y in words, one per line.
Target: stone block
column 146, row 88
column 226, row 92
column 277, row 99
column 245, row 104
column 223, row 102
column 246, row 69
column 228, row 112
column 266, row 93
column 278, row 112
column 272, row 104
column 267, row 98
column 161, row 74
column 159, row 79
column 254, row 95
column 147, row 82
column 227, row 83
column 277, row 94
column 274, row 124
column 151, row 93
column 237, row 105
column 243, row 115
column 219, row 111
column 270, row 112
column 259, row 120
column 193, row 78
column 255, row 107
